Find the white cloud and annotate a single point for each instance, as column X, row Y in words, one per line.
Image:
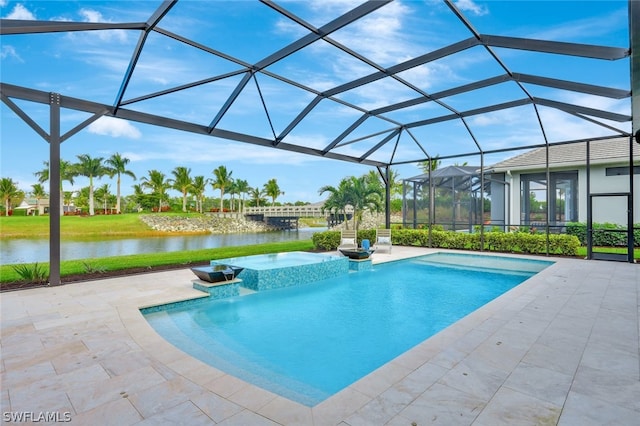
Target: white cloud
column 89, row 15
column 9, row 52
column 471, row 6
column 194, row 150
column 114, row 127
column 589, row 27
column 20, row 12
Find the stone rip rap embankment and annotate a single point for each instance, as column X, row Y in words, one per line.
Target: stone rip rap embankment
column 211, row 223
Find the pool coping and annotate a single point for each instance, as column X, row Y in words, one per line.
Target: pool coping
column 484, row 349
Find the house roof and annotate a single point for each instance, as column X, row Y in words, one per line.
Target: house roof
column 447, row 172
column 606, row 151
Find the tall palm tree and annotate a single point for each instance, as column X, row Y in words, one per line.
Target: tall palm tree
column 117, row 165
column 67, row 173
column 182, row 182
column 198, row 187
column 242, row 186
column 8, row 190
column 38, row 192
column 158, row 184
column 272, row 190
column 233, row 191
column 222, row 180
column 91, row 168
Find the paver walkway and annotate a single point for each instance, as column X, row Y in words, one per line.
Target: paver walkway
column 561, row 348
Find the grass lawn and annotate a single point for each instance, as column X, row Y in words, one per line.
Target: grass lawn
column 122, row 225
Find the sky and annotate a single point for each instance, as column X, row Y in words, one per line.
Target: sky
column 91, row 66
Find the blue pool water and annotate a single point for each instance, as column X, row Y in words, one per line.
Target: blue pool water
column 310, row 341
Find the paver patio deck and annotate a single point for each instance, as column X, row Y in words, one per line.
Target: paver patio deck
column 561, row 348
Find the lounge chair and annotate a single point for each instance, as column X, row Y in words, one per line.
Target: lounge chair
column 383, row 240
column 348, row 240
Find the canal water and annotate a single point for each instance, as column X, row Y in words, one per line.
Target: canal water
column 30, row 250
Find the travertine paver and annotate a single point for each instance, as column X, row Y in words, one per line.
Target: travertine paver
column 560, row 348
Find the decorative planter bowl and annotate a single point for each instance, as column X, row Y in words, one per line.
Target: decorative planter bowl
column 217, row 273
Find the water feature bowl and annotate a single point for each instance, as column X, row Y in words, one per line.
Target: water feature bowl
column 217, row 273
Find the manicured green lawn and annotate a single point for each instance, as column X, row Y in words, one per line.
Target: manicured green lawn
column 76, row 226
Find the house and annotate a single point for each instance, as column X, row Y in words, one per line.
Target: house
column 31, row 205
column 519, row 184
column 41, row 206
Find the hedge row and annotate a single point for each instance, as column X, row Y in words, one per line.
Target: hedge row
column 602, row 238
column 512, row 242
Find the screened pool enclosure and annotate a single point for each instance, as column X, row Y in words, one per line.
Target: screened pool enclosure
column 382, row 84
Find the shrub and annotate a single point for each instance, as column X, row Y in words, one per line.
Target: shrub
column 32, row 273
column 602, row 238
column 93, row 269
column 512, row 242
column 328, row 240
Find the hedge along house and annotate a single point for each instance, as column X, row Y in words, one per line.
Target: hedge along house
column 382, row 84
column 581, row 177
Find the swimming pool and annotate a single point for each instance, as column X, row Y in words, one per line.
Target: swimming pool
column 276, row 270
column 308, row 342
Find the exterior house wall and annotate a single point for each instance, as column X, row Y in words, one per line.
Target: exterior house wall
column 607, row 209
column 611, row 209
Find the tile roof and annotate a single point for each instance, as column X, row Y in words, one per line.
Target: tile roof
column 606, row 151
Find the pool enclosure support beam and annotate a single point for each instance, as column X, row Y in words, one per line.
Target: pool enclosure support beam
column 54, row 189
column 634, row 43
column 589, row 209
column 387, row 198
column 630, row 205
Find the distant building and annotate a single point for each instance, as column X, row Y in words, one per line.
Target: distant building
column 41, row 206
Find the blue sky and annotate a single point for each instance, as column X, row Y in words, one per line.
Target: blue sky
column 91, row 66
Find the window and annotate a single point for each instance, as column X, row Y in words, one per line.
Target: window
column 621, row 171
column 563, row 201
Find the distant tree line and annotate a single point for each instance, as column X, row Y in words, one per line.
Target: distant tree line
column 151, row 193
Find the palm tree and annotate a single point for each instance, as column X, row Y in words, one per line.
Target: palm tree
column 67, row 172
column 233, row 191
column 198, row 187
column 432, row 164
column 90, row 167
column 102, row 194
column 364, row 195
column 117, row 165
column 360, row 193
column 8, row 190
column 182, row 183
column 223, row 180
column 157, row 183
column 242, row 186
column 38, row 192
column 395, row 184
column 272, row 190
column 338, row 199
column 139, row 195
column 256, row 195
